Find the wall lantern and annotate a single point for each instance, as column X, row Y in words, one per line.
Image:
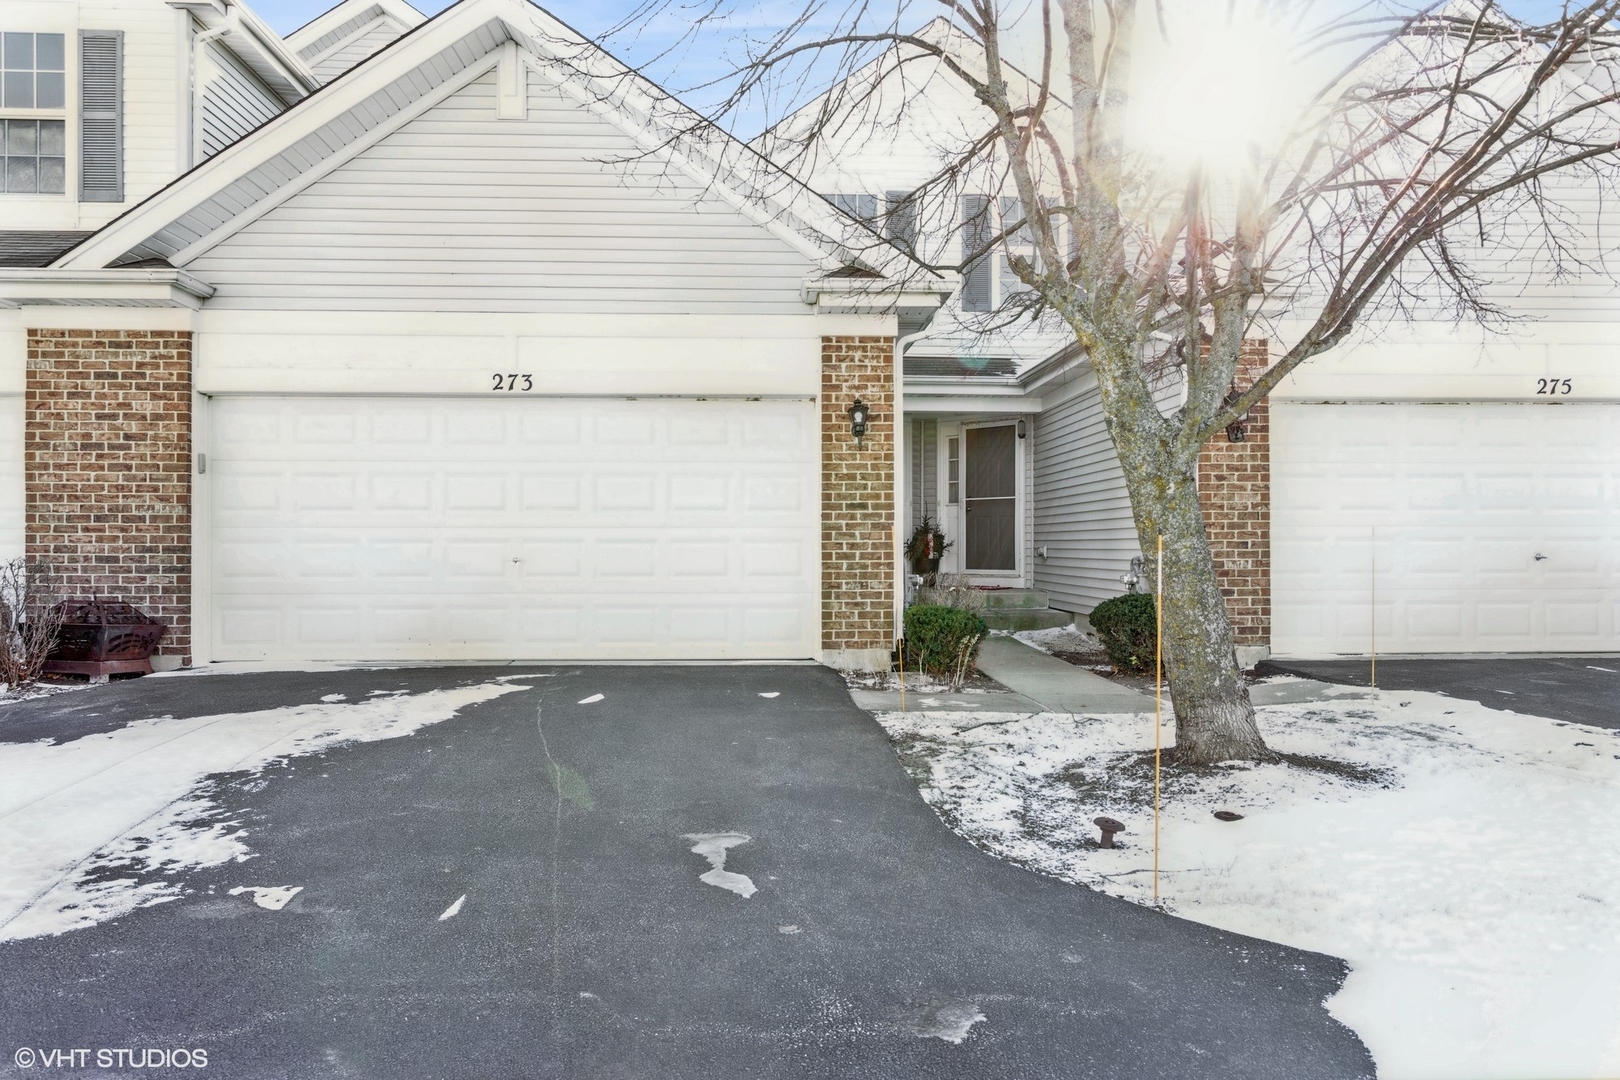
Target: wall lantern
column 1021, row 431
column 858, row 417
column 1237, row 430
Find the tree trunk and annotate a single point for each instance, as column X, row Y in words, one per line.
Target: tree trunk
column 1214, row 717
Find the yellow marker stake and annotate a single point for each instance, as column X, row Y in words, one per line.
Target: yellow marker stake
column 1158, row 707
column 1372, row 576
column 900, row 651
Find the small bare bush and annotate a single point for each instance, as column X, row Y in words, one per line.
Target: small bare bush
column 957, row 591
column 30, row 618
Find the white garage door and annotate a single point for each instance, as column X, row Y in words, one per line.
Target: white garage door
column 1497, row 527
column 370, row 528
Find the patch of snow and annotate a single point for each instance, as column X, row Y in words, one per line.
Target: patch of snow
column 1467, row 873
column 1059, row 639
column 788, row 930
column 329, row 698
column 454, row 909
column 592, row 700
column 269, row 897
column 772, row 694
column 946, row 1020
column 713, row 847
column 94, row 828
column 40, row 690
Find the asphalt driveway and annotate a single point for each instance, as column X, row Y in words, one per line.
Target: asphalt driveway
column 587, row 946
column 1579, row 689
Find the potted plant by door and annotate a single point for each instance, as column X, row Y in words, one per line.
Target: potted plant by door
column 925, row 547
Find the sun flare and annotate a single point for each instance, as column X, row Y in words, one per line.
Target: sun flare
column 1225, row 80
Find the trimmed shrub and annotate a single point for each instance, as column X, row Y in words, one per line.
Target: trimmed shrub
column 1127, row 626
column 943, row 640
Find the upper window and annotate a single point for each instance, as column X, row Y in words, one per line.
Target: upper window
column 35, row 76
column 33, row 150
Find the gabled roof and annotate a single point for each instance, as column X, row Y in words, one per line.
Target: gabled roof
column 270, row 165
column 342, row 36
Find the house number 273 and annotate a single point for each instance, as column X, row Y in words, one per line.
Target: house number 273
column 513, row 382
column 1554, row 387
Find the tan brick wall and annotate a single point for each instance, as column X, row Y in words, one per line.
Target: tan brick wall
column 107, row 460
column 1234, row 486
column 857, row 495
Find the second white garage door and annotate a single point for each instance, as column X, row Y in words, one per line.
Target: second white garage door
column 514, row 528
column 1497, row 527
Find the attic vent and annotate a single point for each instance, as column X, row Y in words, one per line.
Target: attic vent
column 101, row 115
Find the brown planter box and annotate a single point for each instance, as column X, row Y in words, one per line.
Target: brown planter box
column 104, row 637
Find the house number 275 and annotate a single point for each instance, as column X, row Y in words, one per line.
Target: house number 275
column 1554, row 387
column 513, row 382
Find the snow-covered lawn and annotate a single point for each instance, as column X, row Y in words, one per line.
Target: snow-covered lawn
column 95, row 827
column 1466, row 862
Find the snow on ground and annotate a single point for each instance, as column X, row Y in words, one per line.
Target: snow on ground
column 1059, row 639
column 1463, row 860
column 95, row 827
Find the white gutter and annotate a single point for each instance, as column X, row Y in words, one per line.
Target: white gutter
column 136, row 286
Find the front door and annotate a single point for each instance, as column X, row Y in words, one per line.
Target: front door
column 991, row 499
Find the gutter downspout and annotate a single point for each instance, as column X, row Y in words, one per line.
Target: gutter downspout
column 901, row 344
column 230, row 25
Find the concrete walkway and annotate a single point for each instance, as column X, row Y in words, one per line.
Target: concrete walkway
column 1055, row 685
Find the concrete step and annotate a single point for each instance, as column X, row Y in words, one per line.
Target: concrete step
column 996, row 599
column 1042, row 618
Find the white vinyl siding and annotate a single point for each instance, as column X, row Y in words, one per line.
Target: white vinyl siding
column 1489, row 527
column 234, row 103
column 1082, row 511
column 11, row 477
column 371, row 40
column 513, row 528
column 459, row 211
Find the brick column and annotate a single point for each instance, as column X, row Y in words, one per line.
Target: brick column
column 107, row 462
column 857, row 504
column 1234, row 486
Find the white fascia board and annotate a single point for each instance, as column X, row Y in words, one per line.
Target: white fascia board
column 921, row 400
column 860, row 295
column 159, row 286
column 253, row 150
column 359, row 31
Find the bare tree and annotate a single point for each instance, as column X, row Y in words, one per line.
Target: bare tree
column 1431, row 143
column 30, row 619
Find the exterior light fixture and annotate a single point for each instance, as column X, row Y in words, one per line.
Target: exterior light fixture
column 859, row 415
column 1021, row 429
column 1237, row 430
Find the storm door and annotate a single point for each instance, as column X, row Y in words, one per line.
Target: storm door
column 991, row 498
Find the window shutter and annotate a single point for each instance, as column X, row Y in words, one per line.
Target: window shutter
column 101, row 115
column 976, row 234
column 900, row 220
column 1019, row 243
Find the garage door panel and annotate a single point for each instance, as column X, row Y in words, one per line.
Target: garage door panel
column 1468, row 496
column 521, row 528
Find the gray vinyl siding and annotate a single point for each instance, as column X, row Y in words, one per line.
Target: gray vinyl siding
column 233, row 104
column 923, row 458
column 458, row 211
column 376, row 37
column 1082, row 513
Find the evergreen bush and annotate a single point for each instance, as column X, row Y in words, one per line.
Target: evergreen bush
column 943, row 640
column 1127, row 626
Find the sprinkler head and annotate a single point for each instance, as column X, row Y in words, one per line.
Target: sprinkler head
column 1109, row 827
